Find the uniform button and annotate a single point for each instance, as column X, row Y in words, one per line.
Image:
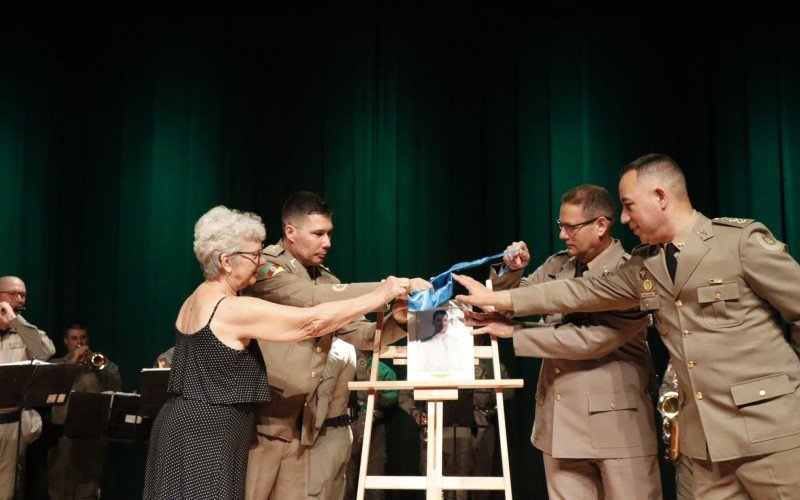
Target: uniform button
column 318, row 349
column 762, row 392
column 679, row 303
column 313, row 374
column 718, row 295
column 613, row 406
column 698, row 395
column 685, row 333
column 557, row 369
column 558, row 397
column 691, row 364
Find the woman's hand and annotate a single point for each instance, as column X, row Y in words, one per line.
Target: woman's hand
column 392, row 288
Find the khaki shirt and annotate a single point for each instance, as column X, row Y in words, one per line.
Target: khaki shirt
column 333, row 393
column 592, row 397
column 22, row 342
column 294, row 370
column 738, row 377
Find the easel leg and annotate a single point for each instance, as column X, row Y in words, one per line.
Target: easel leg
column 435, row 468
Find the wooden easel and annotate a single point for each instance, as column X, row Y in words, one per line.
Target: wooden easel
column 435, row 392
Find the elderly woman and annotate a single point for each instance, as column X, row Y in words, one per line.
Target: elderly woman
column 200, row 439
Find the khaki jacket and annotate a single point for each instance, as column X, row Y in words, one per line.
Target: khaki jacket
column 738, row 377
column 592, row 398
column 294, row 370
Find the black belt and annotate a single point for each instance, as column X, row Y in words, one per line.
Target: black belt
column 7, row 418
column 339, row 421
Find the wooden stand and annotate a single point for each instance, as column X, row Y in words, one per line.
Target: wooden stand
column 435, row 392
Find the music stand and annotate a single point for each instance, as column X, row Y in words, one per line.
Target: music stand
column 125, row 422
column 34, row 385
column 111, row 416
column 154, row 383
column 87, row 415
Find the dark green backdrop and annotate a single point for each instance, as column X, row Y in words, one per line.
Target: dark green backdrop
column 440, row 131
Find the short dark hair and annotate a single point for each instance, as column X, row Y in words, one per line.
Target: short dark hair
column 303, row 204
column 655, row 166
column 75, row 325
column 440, row 312
column 594, row 200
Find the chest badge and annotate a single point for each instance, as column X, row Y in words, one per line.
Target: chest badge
column 647, row 285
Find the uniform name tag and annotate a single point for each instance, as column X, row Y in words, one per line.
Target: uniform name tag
column 647, row 295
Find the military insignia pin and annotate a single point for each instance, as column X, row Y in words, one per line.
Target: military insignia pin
column 642, row 273
column 647, row 285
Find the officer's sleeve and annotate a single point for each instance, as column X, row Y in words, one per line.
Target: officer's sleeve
column 611, row 291
column 361, row 333
column 286, row 288
column 773, row 274
column 599, row 336
column 110, row 377
column 37, row 343
column 515, row 279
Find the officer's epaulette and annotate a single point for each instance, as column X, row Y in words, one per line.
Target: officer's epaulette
column 274, row 250
column 732, row 221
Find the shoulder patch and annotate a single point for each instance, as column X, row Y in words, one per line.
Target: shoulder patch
column 274, row 250
column 769, row 242
column 269, row 270
column 732, row 221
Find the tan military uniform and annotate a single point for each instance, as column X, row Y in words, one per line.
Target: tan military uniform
column 329, row 456
column 278, row 464
column 739, row 378
column 75, row 467
column 21, row 342
column 593, row 410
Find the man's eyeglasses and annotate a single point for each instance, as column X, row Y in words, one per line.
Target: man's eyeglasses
column 571, row 229
column 16, row 294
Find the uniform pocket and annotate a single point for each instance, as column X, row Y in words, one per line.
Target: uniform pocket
column 720, row 304
column 611, row 416
column 769, row 407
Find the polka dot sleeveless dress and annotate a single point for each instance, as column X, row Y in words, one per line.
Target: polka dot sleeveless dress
column 200, row 439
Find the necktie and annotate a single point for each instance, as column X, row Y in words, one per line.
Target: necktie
column 580, row 269
column 672, row 262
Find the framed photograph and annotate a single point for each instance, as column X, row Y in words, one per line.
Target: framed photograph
column 440, row 345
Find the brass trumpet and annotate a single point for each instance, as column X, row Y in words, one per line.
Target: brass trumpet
column 668, row 407
column 96, row 360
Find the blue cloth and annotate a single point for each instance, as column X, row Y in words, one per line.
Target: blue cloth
column 442, row 286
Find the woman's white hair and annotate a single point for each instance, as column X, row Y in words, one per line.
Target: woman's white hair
column 223, row 230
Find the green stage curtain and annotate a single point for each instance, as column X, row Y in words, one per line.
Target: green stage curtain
column 439, row 131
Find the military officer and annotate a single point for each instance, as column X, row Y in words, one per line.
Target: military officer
column 330, row 454
column 717, row 290
column 19, row 341
column 594, row 416
column 75, row 467
column 295, row 275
